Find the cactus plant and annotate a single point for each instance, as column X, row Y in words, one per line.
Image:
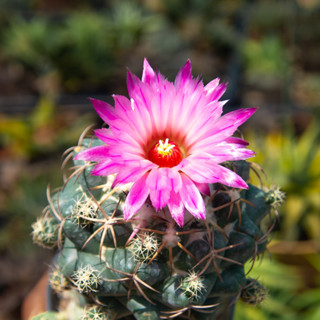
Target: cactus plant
column 150, row 262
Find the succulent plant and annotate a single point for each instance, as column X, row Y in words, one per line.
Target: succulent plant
column 148, row 266
column 158, row 263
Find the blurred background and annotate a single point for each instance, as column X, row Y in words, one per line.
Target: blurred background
column 55, row 54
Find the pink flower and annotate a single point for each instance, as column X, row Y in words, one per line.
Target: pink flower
column 168, row 139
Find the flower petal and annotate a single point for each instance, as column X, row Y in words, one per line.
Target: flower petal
column 113, row 139
column 200, row 124
column 183, row 75
column 136, row 197
column 203, row 169
column 203, row 188
column 105, row 111
column 191, row 198
column 159, row 198
column 132, row 82
column 148, row 73
column 199, row 172
column 93, row 154
column 222, row 129
column 175, row 179
column 234, row 119
column 105, row 168
column 228, row 177
column 212, row 86
column 160, row 184
column 229, row 151
column 157, row 179
column 132, row 173
column 217, row 92
column 176, row 208
column 238, row 141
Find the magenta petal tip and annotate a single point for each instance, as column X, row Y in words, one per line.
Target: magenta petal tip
column 148, row 73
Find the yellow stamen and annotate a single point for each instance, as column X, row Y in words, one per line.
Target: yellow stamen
column 164, row 148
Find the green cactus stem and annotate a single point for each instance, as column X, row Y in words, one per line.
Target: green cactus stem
column 148, row 267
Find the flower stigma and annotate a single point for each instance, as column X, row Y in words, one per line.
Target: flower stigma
column 165, row 153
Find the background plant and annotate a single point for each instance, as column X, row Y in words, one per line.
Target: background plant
column 294, row 161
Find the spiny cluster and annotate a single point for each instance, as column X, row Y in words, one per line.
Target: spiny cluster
column 98, row 313
column 144, row 247
column 87, row 279
column 58, row 281
column 44, row 232
column 254, row 293
column 84, row 210
column 193, row 285
column 275, row 196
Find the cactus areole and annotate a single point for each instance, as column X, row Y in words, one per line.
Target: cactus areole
column 158, row 217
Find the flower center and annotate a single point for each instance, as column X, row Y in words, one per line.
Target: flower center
column 165, row 154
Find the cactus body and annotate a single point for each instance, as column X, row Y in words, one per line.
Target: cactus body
column 148, row 267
